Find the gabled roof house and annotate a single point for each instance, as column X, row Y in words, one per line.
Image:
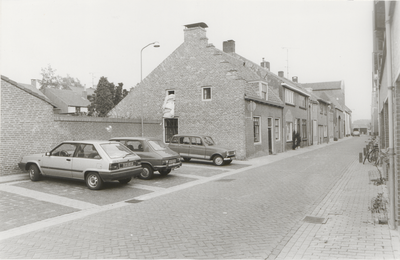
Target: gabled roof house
column 67, row 101
column 214, row 92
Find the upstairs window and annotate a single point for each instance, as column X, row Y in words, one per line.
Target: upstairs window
column 302, row 101
column 206, row 93
column 289, row 96
column 263, row 90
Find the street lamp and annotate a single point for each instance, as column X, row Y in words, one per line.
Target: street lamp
column 156, row 45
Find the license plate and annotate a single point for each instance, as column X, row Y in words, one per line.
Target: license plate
column 128, row 164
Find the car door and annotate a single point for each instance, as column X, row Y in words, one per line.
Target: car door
column 85, row 157
column 197, row 148
column 184, row 146
column 59, row 162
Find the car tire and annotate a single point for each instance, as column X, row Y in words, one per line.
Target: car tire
column 93, row 181
column 147, row 173
column 187, row 159
column 227, row 162
column 125, row 181
column 164, row 172
column 34, row 173
column 218, row 160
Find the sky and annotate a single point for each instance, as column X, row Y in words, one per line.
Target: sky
column 317, row 41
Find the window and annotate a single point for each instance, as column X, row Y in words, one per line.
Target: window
column 256, row 125
column 87, row 151
column 289, row 96
column 64, row 150
column 196, row 141
column 302, row 101
column 321, row 108
column 263, row 90
column 325, row 131
column 206, row 93
column 170, row 92
column 289, row 131
column 277, row 130
column 135, row 145
column 304, row 129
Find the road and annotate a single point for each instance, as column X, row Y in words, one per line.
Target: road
column 248, row 209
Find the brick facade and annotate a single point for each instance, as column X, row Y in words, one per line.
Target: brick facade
column 29, row 126
column 191, row 67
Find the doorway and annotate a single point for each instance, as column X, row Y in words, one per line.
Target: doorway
column 270, row 148
column 170, row 128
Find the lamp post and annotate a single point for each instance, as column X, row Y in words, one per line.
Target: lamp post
column 156, row 45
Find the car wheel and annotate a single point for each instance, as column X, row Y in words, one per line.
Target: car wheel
column 164, row 172
column 186, row 159
column 34, row 173
column 218, row 160
column 93, row 181
column 227, row 162
column 125, row 181
column 147, row 172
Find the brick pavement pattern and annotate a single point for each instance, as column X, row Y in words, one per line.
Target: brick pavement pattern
column 254, row 213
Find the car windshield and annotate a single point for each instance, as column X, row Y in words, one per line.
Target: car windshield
column 208, row 140
column 116, row 150
column 157, row 145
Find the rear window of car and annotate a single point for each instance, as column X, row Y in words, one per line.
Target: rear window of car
column 157, row 145
column 116, row 150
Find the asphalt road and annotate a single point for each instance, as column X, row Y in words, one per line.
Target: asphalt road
column 247, row 209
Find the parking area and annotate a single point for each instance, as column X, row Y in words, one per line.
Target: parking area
column 24, row 202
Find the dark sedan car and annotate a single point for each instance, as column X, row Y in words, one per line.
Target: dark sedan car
column 154, row 154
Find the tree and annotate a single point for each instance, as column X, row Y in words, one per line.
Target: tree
column 49, row 79
column 103, row 100
column 118, row 94
column 70, row 82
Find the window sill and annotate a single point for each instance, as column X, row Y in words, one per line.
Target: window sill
column 290, row 104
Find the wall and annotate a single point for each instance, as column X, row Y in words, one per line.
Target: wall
column 29, row 126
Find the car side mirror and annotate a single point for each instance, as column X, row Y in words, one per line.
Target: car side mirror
column 48, row 154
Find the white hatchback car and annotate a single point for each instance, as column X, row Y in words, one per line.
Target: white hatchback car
column 92, row 161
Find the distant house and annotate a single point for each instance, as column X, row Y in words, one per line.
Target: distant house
column 84, row 92
column 334, row 92
column 67, row 101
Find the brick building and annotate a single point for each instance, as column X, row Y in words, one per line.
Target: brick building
column 386, row 95
column 242, row 105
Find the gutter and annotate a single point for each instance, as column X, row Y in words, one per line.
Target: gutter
column 295, row 89
column 392, row 174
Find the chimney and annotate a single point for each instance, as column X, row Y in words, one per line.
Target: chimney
column 294, row 79
column 281, row 74
column 228, row 46
column 196, row 33
column 265, row 65
column 35, row 83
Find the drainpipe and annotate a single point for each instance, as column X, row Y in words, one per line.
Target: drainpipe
column 392, row 173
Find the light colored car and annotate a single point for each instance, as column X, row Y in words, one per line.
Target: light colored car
column 201, row 147
column 155, row 155
column 356, row 133
column 92, row 161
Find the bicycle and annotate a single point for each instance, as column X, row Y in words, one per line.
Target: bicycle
column 373, row 152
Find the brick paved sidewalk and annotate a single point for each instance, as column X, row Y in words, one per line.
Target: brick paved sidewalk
column 348, row 231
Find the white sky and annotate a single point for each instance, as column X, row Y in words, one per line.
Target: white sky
column 323, row 40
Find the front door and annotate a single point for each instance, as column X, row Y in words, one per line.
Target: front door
column 315, row 133
column 170, row 128
column 270, row 135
